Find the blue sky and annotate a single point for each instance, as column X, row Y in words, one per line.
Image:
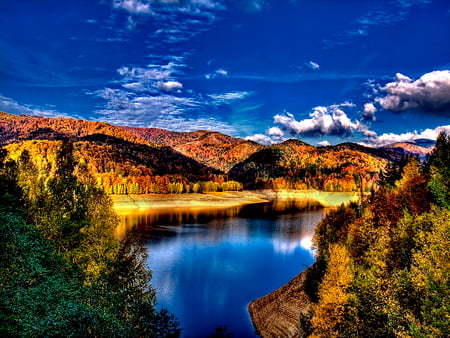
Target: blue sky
column 323, row 71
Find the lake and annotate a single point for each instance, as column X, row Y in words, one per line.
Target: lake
column 209, row 264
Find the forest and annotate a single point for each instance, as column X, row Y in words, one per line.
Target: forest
column 62, row 274
column 382, row 266
column 125, row 160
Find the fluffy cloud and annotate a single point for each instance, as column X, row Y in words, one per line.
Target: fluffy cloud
column 133, row 6
column 369, row 112
column 429, row 93
column 312, row 65
column 324, row 143
column 153, row 77
column 276, row 133
column 389, row 138
column 169, row 86
column 217, row 73
column 323, row 121
column 260, row 138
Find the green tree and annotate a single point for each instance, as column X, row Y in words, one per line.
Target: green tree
column 438, row 167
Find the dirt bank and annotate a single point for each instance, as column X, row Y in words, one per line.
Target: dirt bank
column 278, row 313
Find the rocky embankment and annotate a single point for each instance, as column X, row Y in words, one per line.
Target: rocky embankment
column 278, row 313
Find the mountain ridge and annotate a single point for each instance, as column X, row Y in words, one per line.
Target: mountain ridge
column 183, row 157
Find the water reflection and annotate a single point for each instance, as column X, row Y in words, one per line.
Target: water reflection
column 164, row 221
column 209, row 264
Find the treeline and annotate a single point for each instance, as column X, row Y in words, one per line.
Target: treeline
column 128, row 169
column 383, row 267
column 320, row 179
column 113, row 183
column 62, row 274
column 297, row 165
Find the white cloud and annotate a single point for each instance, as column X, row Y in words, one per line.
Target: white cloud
column 152, row 78
column 8, row 105
column 323, row 121
column 260, row 138
column 275, row 132
column 181, row 123
column 389, row 138
column 133, row 6
column 369, row 112
column 324, row 143
column 217, row 73
column 312, row 65
column 225, row 98
column 169, row 86
column 429, row 93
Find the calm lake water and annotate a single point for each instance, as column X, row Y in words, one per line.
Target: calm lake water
column 208, row 265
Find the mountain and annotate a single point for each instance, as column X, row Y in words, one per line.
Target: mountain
column 295, row 164
column 14, row 128
column 142, row 160
column 120, row 161
column 421, row 148
column 210, row 148
column 387, row 154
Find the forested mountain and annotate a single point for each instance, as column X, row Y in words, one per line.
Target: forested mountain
column 120, row 161
column 213, row 149
column 15, row 128
column 295, row 164
column 421, row 148
column 148, row 160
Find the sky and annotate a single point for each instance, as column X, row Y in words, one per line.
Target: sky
column 323, row 71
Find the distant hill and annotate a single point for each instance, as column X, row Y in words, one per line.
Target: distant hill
column 15, row 128
column 120, row 161
column 295, row 164
column 128, row 159
column 388, row 154
column 421, row 148
column 210, row 148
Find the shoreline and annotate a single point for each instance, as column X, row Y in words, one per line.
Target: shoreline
column 126, row 204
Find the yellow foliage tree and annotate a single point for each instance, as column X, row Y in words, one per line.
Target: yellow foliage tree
column 334, row 297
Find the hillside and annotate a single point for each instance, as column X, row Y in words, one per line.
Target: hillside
column 143, row 160
column 420, row 149
column 15, row 128
column 120, row 161
column 295, row 164
column 210, row 148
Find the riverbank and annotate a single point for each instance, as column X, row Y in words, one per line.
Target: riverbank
column 278, row 313
column 126, row 204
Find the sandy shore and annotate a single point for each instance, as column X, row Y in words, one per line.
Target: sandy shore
column 125, row 204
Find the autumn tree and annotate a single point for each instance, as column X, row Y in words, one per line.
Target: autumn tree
column 335, row 297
